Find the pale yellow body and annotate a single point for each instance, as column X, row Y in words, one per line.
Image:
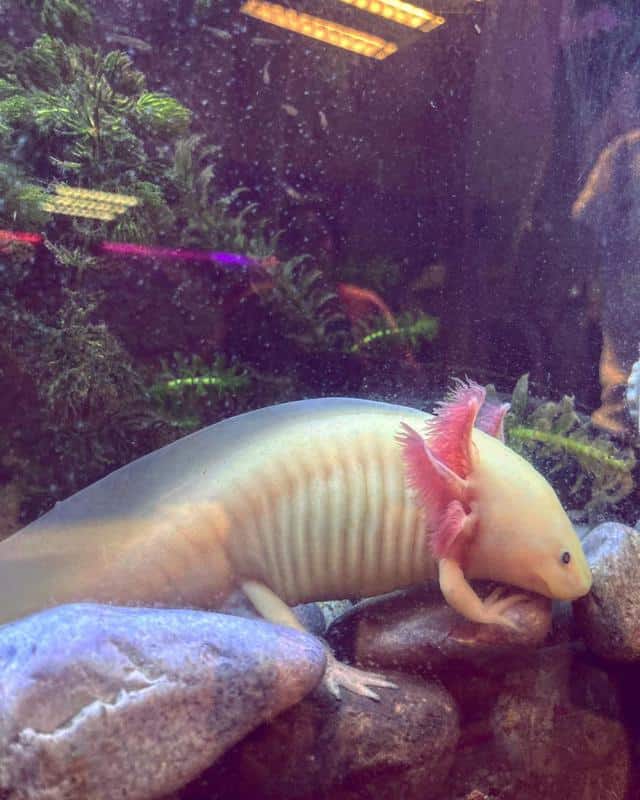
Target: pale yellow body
column 308, row 498
column 297, row 502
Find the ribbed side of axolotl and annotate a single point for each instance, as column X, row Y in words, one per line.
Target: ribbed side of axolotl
column 489, row 514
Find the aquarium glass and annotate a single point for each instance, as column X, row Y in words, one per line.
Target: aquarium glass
column 210, row 207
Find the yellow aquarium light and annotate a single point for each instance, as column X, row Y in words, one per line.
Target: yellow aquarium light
column 400, row 12
column 88, row 203
column 323, row 30
column 126, row 200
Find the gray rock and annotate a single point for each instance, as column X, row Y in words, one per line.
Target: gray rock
column 556, row 730
column 416, row 629
column 352, row 749
column 608, row 616
column 333, row 609
column 102, row 702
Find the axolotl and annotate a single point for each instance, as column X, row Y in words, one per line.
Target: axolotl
column 308, row 500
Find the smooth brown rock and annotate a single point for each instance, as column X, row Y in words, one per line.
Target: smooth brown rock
column 353, row 749
column 556, row 731
column 100, row 702
column 416, row 629
column 609, row 616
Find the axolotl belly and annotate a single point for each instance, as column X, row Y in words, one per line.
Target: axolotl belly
column 315, row 499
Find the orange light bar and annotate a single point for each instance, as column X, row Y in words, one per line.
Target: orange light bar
column 400, row 12
column 365, row 44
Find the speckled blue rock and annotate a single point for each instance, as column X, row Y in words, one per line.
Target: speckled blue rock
column 608, row 616
column 101, row 702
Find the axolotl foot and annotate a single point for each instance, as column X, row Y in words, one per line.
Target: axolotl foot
column 338, row 675
column 496, row 604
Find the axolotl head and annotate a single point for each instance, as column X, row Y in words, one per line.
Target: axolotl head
column 485, row 506
column 522, row 534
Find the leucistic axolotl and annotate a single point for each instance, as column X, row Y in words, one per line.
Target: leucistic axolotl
column 309, row 500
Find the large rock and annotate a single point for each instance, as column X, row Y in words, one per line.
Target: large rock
column 415, row 629
column 102, row 702
column 608, row 617
column 555, row 730
column 352, row 749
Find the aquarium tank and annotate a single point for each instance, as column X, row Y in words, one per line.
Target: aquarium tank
column 319, row 399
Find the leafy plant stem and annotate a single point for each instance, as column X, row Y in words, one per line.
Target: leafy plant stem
column 571, row 446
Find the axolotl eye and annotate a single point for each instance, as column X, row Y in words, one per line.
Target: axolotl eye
column 565, row 557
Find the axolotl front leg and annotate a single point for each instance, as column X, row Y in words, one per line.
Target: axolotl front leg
column 459, row 528
column 460, row 596
column 337, row 675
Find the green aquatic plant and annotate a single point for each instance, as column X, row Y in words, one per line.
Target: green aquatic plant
column 193, row 392
column 412, row 329
column 74, row 259
column 151, row 217
column 193, row 373
column 85, row 373
column 313, row 315
column 202, row 383
column 205, row 216
column 79, row 407
column 20, row 200
column 7, row 58
column 566, row 445
column 80, row 403
column 162, row 114
column 85, row 111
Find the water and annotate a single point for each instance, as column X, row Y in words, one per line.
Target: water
column 203, row 213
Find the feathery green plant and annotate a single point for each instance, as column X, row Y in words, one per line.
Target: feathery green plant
column 84, row 373
column 301, row 295
column 191, row 391
column 87, row 405
column 205, row 216
column 412, row 330
column 20, row 200
column 86, row 111
column 556, row 437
